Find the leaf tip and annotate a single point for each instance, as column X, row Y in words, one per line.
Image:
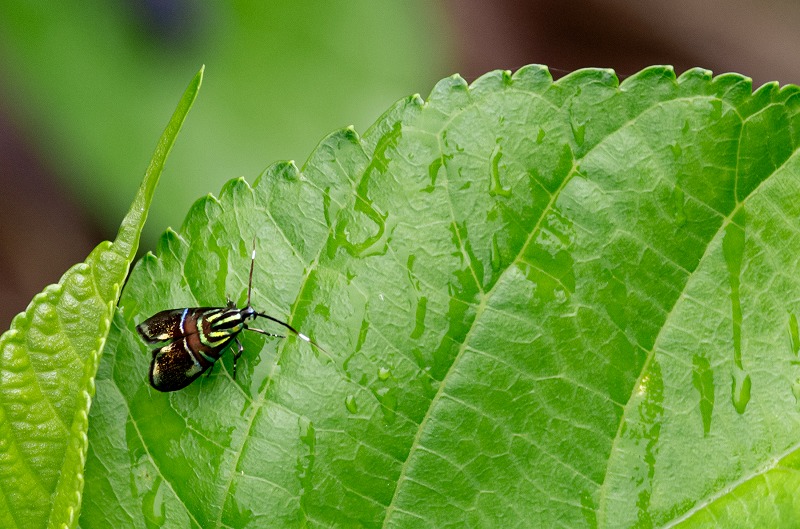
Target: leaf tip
column 284, row 170
column 347, row 134
column 168, row 240
column 447, row 87
column 234, row 186
column 350, row 133
column 697, row 73
column 198, row 77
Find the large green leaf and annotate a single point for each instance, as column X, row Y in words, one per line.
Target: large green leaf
column 543, row 304
column 48, row 361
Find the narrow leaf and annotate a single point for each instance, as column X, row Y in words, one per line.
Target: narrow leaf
column 49, row 360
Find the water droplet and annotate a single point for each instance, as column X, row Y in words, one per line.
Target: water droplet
column 733, row 250
column 796, row 391
column 236, row 515
column 433, row 173
column 384, row 373
column 362, row 231
column 459, row 319
column 645, row 423
column 410, row 267
column 419, row 327
column 153, row 507
column 548, row 260
column 323, row 310
column 703, row 381
column 614, row 298
column 794, row 335
column 740, row 394
column 496, row 185
column 350, row 404
column 496, row 257
column 468, row 279
column 306, row 457
column 678, row 202
column 579, row 132
column 388, row 400
column 362, row 335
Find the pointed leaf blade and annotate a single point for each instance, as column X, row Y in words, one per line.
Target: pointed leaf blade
column 48, row 361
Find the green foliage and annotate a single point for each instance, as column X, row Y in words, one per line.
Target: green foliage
column 545, row 304
column 542, row 304
column 48, row 361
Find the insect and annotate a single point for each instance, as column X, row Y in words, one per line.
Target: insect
column 198, row 335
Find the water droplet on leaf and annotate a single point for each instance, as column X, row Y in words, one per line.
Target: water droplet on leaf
column 350, row 404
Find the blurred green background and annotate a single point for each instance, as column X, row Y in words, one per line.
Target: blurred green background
column 87, row 87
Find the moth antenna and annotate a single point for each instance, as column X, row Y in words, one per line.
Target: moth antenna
column 293, row 331
column 252, row 265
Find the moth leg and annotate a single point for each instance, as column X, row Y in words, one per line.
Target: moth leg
column 237, row 354
column 210, row 369
column 265, row 333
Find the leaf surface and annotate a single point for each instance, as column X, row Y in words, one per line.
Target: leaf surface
column 567, row 304
column 48, row 361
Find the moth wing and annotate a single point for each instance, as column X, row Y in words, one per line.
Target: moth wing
column 165, row 325
column 169, row 324
column 174, row 366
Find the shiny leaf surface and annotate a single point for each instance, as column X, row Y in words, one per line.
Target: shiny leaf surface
column 567, row 304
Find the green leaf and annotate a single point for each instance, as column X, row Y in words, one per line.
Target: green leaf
column 567, row 304
column 49, row 360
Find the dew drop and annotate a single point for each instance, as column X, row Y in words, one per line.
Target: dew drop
column 388, row 399
column 496, row 186
column 796, row 391
column 350, row 404
column 153, row 506
column 579, row 132
column 496, row 256
column 740, row 394
column 433, row 174
column 703, row 381
column 384, row 373
column 419, row 327
column 306, row 458
column 794, row 334
column 678, row 201
column 733, row 244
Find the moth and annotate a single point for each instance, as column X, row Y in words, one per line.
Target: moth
column 197, row 336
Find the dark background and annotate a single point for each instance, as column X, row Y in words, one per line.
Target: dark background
column 86, row 90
